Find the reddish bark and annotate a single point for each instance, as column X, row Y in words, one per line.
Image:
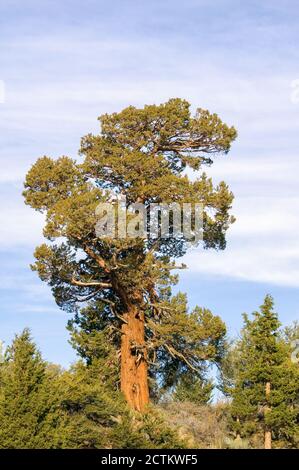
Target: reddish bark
column 134, row 369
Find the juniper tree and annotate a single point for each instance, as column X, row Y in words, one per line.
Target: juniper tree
column 264, row 384
column 142, row 154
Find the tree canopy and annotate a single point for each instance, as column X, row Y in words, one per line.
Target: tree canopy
column 145, row 155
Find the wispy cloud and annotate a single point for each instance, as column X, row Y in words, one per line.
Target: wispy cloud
column 64, row 65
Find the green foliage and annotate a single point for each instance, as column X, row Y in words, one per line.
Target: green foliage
column 193, row 389
column 26, row 401
column 141, row 154
column 94, row 415
column 42, row 406
column 186, row 343
column 263, row 359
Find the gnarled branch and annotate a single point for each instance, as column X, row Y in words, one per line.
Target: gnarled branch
column 104, row 285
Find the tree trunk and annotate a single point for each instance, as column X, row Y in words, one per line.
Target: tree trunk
column 268, row 433
column 134, row 370
column 268, row 439
column 238, row 435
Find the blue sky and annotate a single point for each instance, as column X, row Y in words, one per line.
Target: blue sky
column 65, row 63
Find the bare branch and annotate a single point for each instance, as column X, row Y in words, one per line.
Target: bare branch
column 104, row 285
column 112, row 305
column 101, row 262
column 174, row 353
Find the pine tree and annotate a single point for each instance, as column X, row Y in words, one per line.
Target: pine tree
column 265, row 384
column 25, row 398
column 141, row 154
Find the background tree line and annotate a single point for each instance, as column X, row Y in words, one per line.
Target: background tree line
column 44, row 406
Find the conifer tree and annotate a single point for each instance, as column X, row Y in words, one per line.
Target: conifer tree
column 25, row 398
column 265, row 383
column 42, row 406
column 124, row 283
